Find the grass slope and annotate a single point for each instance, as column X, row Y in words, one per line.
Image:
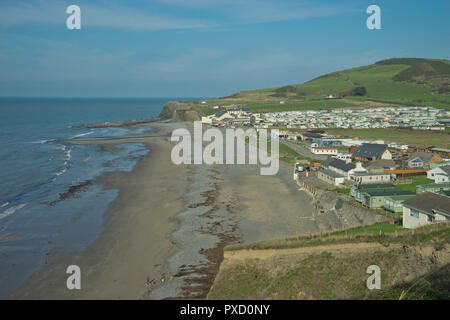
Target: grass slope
column 414, row 265
column 399, row 81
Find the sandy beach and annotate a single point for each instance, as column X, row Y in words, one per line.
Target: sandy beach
column 171, row 222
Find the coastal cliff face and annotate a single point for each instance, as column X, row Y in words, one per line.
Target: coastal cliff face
column 178, row 111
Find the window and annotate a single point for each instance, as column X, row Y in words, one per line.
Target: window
column 430, row 219
column 414, row 213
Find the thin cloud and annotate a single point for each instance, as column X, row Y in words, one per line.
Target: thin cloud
column 108, row 15
column 259, row 11
column 219, row 13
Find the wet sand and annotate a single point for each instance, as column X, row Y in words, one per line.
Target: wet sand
column 171, row 223
column 134, row 243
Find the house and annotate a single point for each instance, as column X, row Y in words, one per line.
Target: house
column 347, row 157
column 324, row 151
column 357, row 190
column 217, row 117
column 376, row 198
column 308, row 137
column 442, row 152
column 379, row 165
column 433, row 187
column 371, row 151
column 416, row 148
column 439, row 174
column 445, row 162
column 330, row 177
column 374, row 195
column 370, row 177
column 425, row 208
column 344, row 168
column 423, row 159
column 395, row 203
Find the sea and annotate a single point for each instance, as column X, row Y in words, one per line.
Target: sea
column 37, row 166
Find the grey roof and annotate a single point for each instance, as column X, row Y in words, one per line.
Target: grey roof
column 446, row 169
column 430, row 203
column 380, row 163
column 387, row 192
column 327, row 161
column 220, row 113
column 342, row 165
column 370, row 150
column 312, row 135
column 331, row 173
column 359, row 174
column 424, row 156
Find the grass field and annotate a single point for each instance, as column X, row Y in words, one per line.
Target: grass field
column 383, row 83
column 287, row 154
column 324, row 272
column 385, row 232
column 393, row 82
column 416, row 180
column 408, row 136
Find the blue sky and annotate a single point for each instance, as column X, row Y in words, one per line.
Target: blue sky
column 203, row 48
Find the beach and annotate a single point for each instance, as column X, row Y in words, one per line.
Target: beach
column 170, row 223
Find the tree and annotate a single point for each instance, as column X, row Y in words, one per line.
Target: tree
column 360, row 91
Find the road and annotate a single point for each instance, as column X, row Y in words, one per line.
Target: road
column 303, row 151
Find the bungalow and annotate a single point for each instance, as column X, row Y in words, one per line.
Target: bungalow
column 371, row 151
column 423, row 159
column 439, row 174
column 425, row 208
column 370, row 177
column 330, row 177
column 395, row 203
column 445, row 162
column 379, row 165
column 308, row 137
column 347, row 157
column 344, row 168
column 324, row 151
column 217, row 117
column 416, row 148
column 433, row 187
column 442, row 152
column 357, row 190
column 373, row 196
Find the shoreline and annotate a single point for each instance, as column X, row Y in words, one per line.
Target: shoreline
column 171, row 222
column 134, row 241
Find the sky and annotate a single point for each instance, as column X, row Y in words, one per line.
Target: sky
column 203, row 48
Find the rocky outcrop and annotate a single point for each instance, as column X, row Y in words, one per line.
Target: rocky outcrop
column 179, row 111
column 169, row 108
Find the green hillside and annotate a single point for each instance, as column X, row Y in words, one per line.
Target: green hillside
column 398, row 81
column 414, row 264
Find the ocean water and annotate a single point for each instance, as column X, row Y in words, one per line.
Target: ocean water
column 36, row 166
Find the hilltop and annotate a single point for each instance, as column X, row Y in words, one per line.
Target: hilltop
column 392, row 82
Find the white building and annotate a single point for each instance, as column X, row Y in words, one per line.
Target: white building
column 439, row 174
column 324, row 150
column 425, row 208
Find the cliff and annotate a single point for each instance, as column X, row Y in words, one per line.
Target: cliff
column 179, row 111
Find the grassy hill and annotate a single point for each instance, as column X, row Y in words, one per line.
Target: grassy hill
column 398, row 81
column 414, row 264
